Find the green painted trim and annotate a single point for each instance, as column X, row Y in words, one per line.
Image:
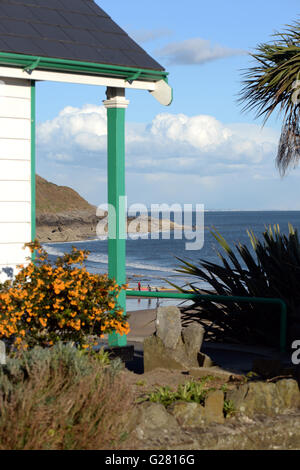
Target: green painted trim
column 30, row 62
column 33, row 156
column 117, row 211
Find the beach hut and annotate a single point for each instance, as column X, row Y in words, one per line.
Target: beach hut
column 70, row 41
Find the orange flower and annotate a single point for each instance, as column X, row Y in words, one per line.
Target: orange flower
column 43, row 322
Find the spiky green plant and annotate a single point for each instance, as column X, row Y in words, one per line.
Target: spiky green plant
column 274, row 83
column 272, row 269
column 192, row 392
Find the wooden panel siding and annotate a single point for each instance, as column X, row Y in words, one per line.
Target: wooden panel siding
column 15, row 212
column 10, row 255
column 15, row 171
column 15, row 191
column 15, row 149
column 14, row 107
column 14, row 232
column 10, row 128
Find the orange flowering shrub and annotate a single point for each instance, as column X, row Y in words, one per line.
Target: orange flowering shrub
column 47, row 303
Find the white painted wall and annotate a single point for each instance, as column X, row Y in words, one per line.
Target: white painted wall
column 15, row 172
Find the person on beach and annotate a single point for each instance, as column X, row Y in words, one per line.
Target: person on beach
column 139, row 285
column 149, row 288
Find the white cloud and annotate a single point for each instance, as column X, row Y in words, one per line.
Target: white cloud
column 195, row 51
column 147, row 35
column 84, row 126
column 171, row 142
column 173, row 147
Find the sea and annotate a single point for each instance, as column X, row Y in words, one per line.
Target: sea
column 153, row 262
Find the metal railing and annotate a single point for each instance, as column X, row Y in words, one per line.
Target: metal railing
column 223, row 299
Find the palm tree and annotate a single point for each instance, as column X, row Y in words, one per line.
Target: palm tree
column 275, row 82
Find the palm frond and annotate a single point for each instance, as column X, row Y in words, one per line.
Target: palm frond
column 272, row 83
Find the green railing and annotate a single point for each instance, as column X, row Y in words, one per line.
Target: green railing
column 223, row 299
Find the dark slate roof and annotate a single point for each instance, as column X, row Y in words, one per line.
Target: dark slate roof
column 68, row 29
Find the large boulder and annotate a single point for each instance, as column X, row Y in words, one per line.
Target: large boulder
column 168, row 326
column 172, row 347
column 158, row 356
column 192, row 336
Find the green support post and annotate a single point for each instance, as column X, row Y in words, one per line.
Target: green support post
column 116, row 105
column 33, row 191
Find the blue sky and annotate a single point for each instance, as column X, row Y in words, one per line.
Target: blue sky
column 202, row 148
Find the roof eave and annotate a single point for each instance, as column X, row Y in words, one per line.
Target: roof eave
column 30, row 63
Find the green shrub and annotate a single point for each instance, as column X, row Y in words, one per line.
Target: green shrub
column 46, row 303
column 272, row 269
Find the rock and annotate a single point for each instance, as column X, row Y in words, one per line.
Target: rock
column 267, row 367
column 214, row 371
column 157, row 356
column 237, row 396
column 168, row 326
column 2, row 353
column 172, row 348
column 214, row 405
column 256, row 397
column 188, row 414
column 288, row 389
column 152, row 424
column 204, row 360
column 193, row 336
column 265, row 398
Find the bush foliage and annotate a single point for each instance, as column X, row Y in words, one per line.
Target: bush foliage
column 47, row 303
column 60, row 398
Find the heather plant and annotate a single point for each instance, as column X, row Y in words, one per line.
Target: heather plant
column 61, row 399
column 48, row 303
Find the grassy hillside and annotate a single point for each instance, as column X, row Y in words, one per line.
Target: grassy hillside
column 63, row 215
column 54, row 199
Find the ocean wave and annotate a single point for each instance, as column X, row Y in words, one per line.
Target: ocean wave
column 103, row 259
column 53, row 251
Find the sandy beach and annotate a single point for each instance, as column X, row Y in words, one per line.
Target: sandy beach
column 142, row 324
